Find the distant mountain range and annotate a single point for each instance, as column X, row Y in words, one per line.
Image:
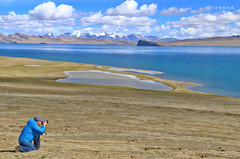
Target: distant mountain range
column 117, row 39
column 50, row 39
column 112, row 36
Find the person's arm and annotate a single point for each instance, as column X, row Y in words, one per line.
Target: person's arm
column 39, row 130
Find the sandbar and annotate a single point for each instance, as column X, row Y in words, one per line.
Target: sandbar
column 34, row 65
column 136, row 71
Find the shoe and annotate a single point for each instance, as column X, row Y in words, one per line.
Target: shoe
column 17, row 149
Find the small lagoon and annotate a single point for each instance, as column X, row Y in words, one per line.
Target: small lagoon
column 112, row 79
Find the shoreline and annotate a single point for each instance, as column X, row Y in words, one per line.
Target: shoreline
column 148, row 75
column 112, row 121
column 173, row 72
column 58, row 73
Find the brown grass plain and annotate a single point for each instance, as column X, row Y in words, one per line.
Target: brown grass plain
column 103, row 122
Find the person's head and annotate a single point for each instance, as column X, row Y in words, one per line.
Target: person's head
column 39, row 120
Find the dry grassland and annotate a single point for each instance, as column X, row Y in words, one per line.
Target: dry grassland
column 100, row 122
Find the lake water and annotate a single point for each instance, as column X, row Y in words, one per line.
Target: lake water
column 216, row 68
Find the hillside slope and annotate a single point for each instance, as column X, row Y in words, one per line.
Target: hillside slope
column 214, row 41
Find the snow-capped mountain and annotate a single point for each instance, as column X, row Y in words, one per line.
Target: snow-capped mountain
column 135, row 37
column 78, row 34
column 103, row 34
column 49, row 35
column 116, row 35
column 65, row 34
column 112, row 36
column 75, row 34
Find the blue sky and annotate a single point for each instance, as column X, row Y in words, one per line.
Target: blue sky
column 166, row 18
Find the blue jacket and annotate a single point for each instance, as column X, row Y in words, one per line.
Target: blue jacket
column 31, row 130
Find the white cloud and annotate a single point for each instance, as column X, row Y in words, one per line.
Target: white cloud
column 130, row 8
column 58, row 22
column 25, row 21
column 126, row 14
column 46, row 11
column 202, row 10
column 92, row 19
column 212, row 31
column 13, row 17
column 164, row 27
column 237, row 24
column 238, row 11
column 47, row 17
column 145, row 29
column 206, row 20
column 206, row 25
column 43, row 30
column 88, row 30
column 174, row 11
column 100, row 19
column 179, row 11
column 44, row 17
column 13, row 23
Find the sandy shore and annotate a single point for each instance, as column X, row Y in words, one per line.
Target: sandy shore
column 112, row 122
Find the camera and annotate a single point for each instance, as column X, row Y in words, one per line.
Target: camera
column 45, row 121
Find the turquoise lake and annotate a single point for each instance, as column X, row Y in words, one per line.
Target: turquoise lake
column 216, row 68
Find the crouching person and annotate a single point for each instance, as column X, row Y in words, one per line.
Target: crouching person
column 31, row 133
